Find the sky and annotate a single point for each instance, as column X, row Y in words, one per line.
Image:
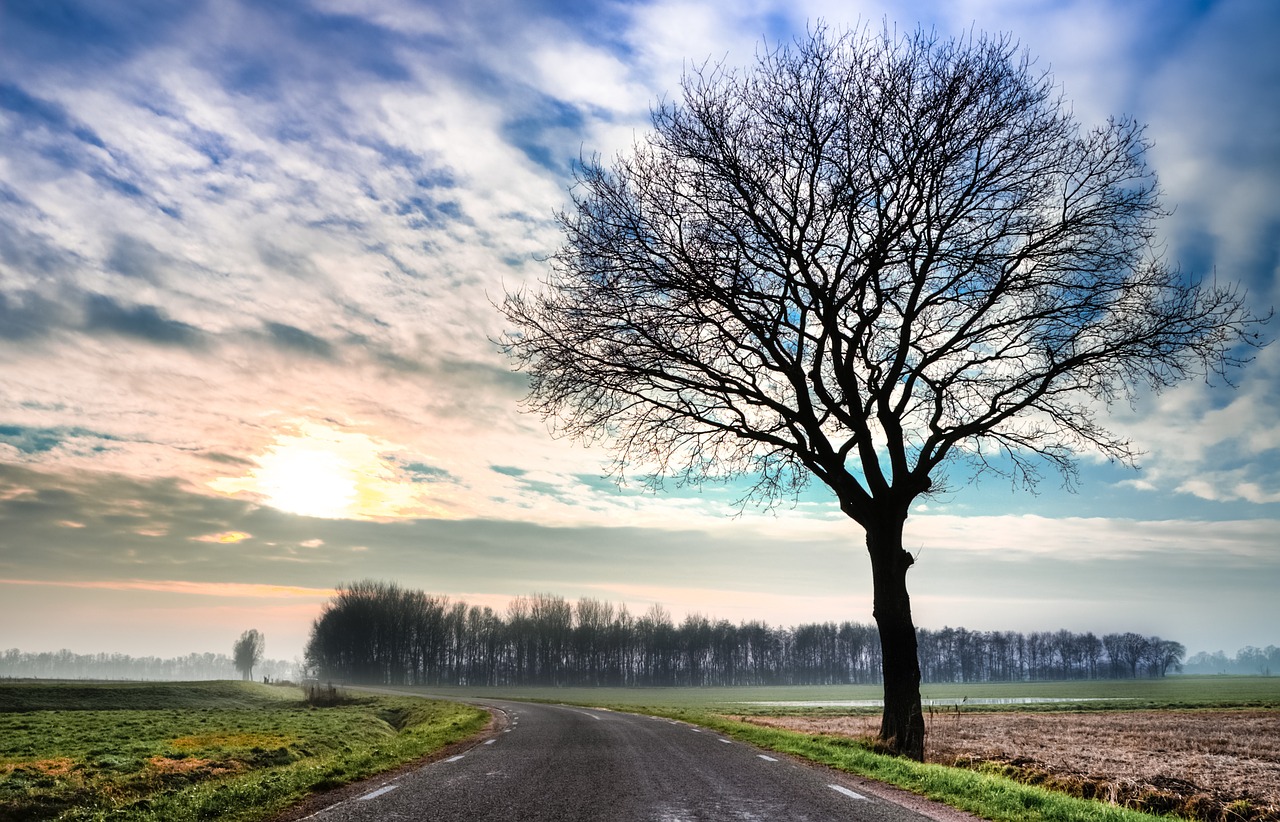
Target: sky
column 249, row 259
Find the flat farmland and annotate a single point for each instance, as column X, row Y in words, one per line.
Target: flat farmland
column 1194, row 758
column 200, row 750
column 1175, row 692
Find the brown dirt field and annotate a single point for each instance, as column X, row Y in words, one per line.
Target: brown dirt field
column 1213, row 765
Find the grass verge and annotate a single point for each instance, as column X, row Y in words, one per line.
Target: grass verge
column 197, row 751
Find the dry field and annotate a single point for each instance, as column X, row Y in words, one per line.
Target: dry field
column 1213, row 765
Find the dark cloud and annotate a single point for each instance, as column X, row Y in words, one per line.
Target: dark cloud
column 27, row 315
column 30, row 440
column 146, row 322
column 288, row 262
column 226, row 459
column 508, row 470
column 135, row 257
column 427, row 212
column 464, row 373
column 421, row 472
column 290, row 338
column 467, row 381
column 31, row 253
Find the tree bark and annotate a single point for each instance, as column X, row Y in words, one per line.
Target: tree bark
column 902, row 725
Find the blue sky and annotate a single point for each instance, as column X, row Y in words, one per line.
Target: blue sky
column 248, row 260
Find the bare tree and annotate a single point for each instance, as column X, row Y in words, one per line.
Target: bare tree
column 877, row 260
column 1166, row 654
column 247, row 652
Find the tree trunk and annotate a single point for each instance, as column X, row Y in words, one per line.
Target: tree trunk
column 902, row 726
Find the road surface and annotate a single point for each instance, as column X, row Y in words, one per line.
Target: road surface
column 554, row 763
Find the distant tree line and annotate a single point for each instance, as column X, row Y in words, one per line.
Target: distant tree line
column 376, row 632
column 1248, row 660
column 67, row 665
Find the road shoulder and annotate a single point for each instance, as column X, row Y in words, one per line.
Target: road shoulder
column 321, row 800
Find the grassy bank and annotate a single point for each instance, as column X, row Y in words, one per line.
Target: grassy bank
column 194, row 751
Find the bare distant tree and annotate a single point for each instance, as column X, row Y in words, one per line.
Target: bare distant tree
column 873, row 260
column 1166, row 654
column 248, row 652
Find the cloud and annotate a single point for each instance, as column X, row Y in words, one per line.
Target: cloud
column 37, row 441
column 146, row 322
column 295, row 339
column 223, row 225
column 29, row 252
column 79, row 33
column 972, row 571
column 224, row 537
column 135, row 257
column 1217, row 143
column 40, row 115
column 204, row 589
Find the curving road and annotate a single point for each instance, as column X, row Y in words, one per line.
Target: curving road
column 552, row 763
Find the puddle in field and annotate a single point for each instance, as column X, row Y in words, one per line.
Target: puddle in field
column 876, row 703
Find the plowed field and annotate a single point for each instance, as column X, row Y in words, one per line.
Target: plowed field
column 1214, row 765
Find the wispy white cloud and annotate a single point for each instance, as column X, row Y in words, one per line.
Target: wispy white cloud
column 224, row 224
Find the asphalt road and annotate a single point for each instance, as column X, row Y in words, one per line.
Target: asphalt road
column 559, row 763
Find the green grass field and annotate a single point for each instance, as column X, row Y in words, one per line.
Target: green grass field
column 1180, row 692
column 206, row 750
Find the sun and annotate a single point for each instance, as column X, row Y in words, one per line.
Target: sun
column 314, row 470
column 306, row 478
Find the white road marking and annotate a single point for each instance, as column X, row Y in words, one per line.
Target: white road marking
column 725, row 741
column 696, row 730
column 455, row 758
column 842, row 789
column 377, row 793
column 584, row 713
column 767, row 758
column 491, row 741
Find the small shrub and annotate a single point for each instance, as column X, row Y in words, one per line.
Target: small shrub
column 327, row 696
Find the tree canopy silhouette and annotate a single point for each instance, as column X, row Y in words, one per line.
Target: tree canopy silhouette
column 873, row 259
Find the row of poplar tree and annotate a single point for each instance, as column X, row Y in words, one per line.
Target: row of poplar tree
column 377, row 632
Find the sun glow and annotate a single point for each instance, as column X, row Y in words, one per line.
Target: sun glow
column 308, row 479
column 316, row 471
